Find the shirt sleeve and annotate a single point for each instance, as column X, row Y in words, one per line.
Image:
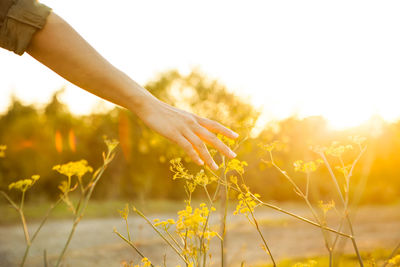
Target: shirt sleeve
column 20, row 22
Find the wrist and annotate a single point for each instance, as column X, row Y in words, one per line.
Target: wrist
column 141, row 101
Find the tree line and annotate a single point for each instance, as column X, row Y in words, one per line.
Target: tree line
column 37, row 139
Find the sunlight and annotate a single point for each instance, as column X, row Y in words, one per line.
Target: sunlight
column 344, row 70
column 344, row 121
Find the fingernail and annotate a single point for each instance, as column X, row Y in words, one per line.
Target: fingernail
column 214, row 166
column 200, row 162
column 235, row 135
column 232, row 154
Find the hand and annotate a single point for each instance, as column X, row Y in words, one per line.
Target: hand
column 187, row 130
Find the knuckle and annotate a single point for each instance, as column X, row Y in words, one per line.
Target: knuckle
column 198, row 143
column 187, row 147
column 192, row 153
column 215, row 124
column 215, row 140
column 190, row 121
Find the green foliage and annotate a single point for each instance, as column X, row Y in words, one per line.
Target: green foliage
column 38, row 139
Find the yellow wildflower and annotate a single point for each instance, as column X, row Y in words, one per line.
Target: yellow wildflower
column 246, row 203
column 272, row 146
column 325, row 207
column 111, row 144
column 201, row 178
column 268, row 147
column 127, row 264
column 25, row 184
column 337, row 150
column 165, row 225
column 190, row 187
column 180, row 172
column 233, row 179
column 124, row 212
column 192, row 220
column 358, row 140
column 395, row 260
column 344, row 169
column 318, row 149
column 306, row 167
column 236, row 165
column 78, row 168
column 146, row 262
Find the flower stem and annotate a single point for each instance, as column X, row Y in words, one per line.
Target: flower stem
column 160, row 234
column 224, row 204
column 130, row 243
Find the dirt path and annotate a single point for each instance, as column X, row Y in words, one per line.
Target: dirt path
column 95, row 244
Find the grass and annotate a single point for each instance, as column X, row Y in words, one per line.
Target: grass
column 34, row 211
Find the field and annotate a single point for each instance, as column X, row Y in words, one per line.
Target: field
column 94, row 165
column 95, row 244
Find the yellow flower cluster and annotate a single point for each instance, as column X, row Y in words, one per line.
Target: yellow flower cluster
column 124, row 212
column 190, row 187
column 191, row 226
column 77, row 168
column 358, row 140
column 145, row 263
column 337, row 150
column 233, row 179
column 111, row 144
column 188, row 218
column 2, row 151
column 325, row 207
column 180, row 172
column 344, row 169
column 193, row 221
column 236, row 165
column 246, row 203
column 307, row 167
column 275, row 145
column 202, row 179
column 165, row 225
column 24, row 185
column 395, row 261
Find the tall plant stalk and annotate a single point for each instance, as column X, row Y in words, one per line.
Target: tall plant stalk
column 224, row 209
column 86, row 194
column 28, row 240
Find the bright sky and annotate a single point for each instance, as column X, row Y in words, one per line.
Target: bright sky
column 339, row 59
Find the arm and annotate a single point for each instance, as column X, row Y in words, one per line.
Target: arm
column 62, row 49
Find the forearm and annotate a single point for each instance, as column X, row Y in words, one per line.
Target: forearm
column 62, row 49
column 58, row 46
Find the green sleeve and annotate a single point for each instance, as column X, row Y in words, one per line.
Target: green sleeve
column 22, row 20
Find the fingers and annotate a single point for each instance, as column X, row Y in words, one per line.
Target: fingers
column 212, row 140
column 190, row 151
column 216, row 127
column 201, row 148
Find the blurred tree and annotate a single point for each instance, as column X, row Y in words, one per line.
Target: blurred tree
column 38, row 139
